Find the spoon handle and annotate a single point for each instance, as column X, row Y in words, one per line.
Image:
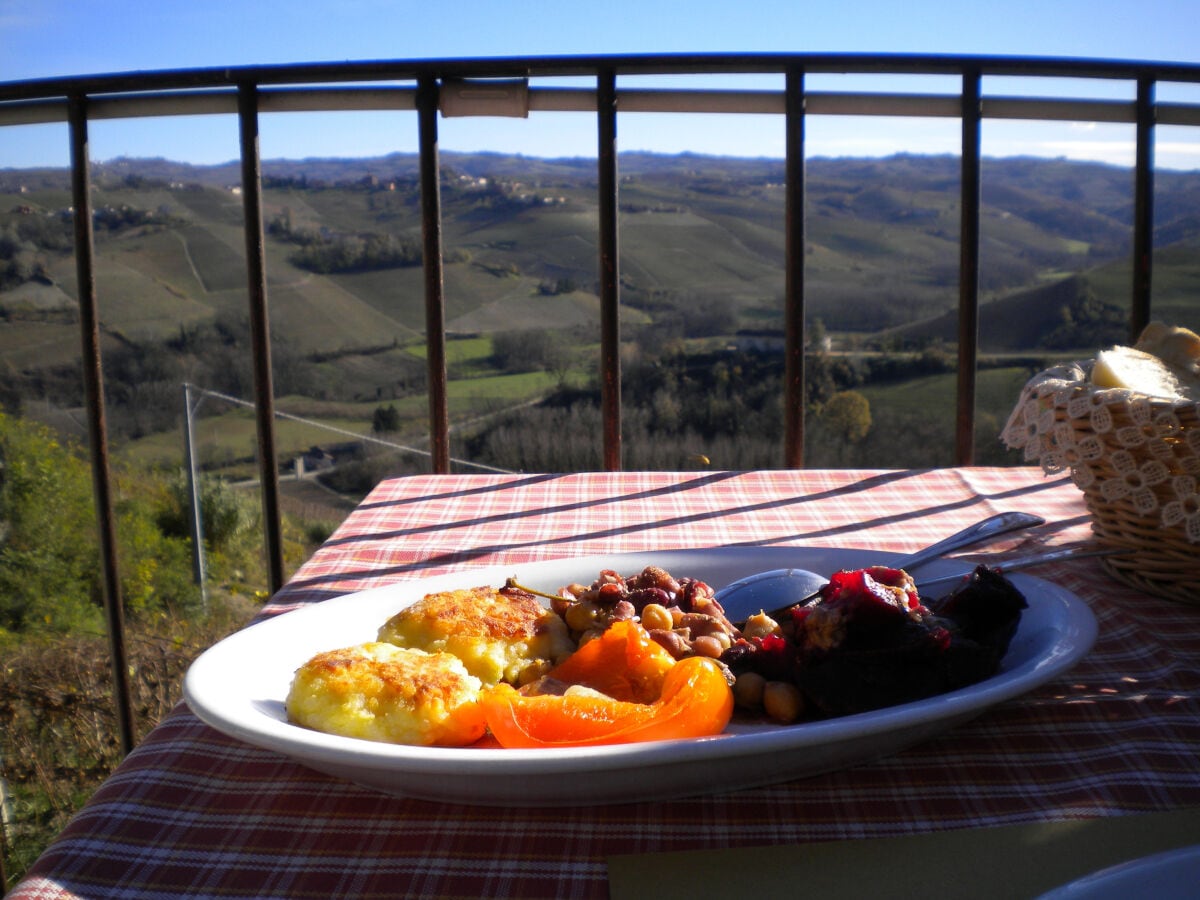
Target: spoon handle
column 985, row 530
column 1025, row 562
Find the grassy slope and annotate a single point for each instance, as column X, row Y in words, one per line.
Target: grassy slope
column 883, row 252
column 931, row 401
column 883, row 236
column 474, row 390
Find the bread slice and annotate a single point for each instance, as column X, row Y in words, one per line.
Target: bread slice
column 1177, row 347
column 1165, row 363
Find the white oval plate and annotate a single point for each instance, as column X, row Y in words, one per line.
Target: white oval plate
column 239, row 686
column 1170, row 875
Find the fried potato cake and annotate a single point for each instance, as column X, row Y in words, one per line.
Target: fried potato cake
column 381, row 692
column 499, row 634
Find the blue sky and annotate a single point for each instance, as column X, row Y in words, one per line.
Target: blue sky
column 47, row 38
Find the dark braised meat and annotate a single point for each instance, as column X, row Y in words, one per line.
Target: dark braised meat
column 868, row 641
column 983, row 615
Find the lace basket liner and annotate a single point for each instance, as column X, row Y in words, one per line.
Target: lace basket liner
column 1137, row 461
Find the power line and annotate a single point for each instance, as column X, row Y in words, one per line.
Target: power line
column 367, row 438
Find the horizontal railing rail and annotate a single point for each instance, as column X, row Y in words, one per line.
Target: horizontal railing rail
column 630, row 100
column 508, row 86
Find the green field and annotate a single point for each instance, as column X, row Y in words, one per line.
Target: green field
column 702, row 259
column 231, row 437
column 928, row 405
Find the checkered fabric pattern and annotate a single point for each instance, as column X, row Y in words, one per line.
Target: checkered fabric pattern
column 192, row 812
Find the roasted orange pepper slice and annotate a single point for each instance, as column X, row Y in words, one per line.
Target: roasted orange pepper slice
column 624, row 662
column 696, row 701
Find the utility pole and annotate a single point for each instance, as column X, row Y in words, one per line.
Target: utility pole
column 195, row 520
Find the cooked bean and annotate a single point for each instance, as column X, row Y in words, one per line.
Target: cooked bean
column 700, row 624
column 782, row 701
column 580, row 616
column 707, row 645
column 676, row 643
column 760, row 625
column 623, row 610
column 748, row 690
column 657, row 616
column 658, row 577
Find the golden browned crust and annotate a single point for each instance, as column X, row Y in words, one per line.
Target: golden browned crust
column 480, row 612
column 501, row 635
column 382, row 692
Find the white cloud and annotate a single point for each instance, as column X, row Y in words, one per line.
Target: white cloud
column 1177, row 154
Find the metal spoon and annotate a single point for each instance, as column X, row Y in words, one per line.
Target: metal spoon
column 1075, row 551
column 781, row 588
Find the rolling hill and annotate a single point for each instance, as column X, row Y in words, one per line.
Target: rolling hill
column 701, row 257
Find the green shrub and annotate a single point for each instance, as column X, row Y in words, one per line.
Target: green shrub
column 49, row 550
column 48, row 555
column 225, row 514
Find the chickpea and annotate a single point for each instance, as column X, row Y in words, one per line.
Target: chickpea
column 581, row 616
column 657, row 616
column 760, row 625
column 748, row 690
column 782, row 701
column 707, row 645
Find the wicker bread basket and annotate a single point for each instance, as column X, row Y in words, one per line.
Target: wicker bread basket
column 1137, row 461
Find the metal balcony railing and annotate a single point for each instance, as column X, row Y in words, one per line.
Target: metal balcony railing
column 509, row 86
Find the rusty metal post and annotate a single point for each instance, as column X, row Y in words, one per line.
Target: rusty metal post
column 968, row 270
column 794, row 305
column 610, row 286
column 260, row 331
column 1143, row 209
column 431, row 261
column 93, row 379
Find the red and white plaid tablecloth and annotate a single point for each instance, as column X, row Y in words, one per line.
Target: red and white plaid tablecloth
column 194, row 813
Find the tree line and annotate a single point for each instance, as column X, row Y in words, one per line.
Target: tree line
column 682, row 411
column 325, row 252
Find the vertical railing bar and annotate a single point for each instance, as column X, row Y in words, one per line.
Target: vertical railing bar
column 794, row 299
column 93, row 378
column 968, row 270
column 260, row 333
column 610, row 337
column 432, row 255
column 1143, row 209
